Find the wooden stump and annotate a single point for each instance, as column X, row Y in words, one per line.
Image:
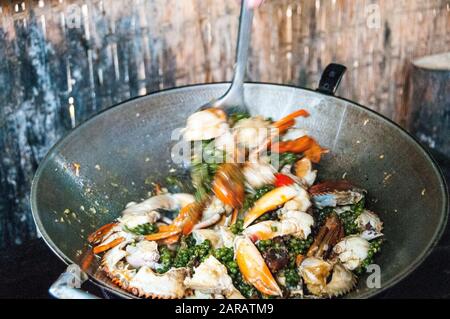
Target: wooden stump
column 428, row 102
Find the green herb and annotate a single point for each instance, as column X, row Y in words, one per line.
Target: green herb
column 323, row 214
column 287, row 159
column 174, row 184
column 349, row 217
column 238, row 116
column 375, row 247
column 204, row 168
column 144, row 229
column 166, row 259
column 292, row 277
column 238, row 227
column 299, row 246
column 189, row 256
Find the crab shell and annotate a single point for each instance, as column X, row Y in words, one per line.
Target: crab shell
column 211, row 277
column 352, row 251
column 315, row 273
column 258, row 174
column 221, row 237
column 170, row 285
column 293, row 223
column 332, row 194
column 143, row 282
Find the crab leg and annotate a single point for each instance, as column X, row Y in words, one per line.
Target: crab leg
column 254, row 269
column 304, row 144
column 288, row 121
column 101, row 248
column 97, row 236
column 269, row 202
column 182, row 224
column 228, row 185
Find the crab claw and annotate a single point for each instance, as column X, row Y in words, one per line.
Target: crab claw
column 183, row 224
column 254, row 269
column 228, row 185
column 100, row 233
column 164, row 232
column 113, row 243
column 269, row 202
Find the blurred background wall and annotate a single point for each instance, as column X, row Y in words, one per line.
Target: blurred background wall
column 61, row 61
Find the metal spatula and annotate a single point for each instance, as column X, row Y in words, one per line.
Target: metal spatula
column 233, row 99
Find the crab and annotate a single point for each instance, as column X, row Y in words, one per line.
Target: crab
column 134, row 215
column 332, row 194
column 323, row 275
column 142, row 280
column 211, row 277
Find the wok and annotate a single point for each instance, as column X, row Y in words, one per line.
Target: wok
column 108, row 161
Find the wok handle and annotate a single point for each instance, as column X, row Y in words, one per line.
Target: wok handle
column 331, row 78
column 68, row 285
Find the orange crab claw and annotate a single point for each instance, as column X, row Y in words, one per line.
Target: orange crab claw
column 172, row 231
column 97, row 236
column 228, row 185
column 314, row 153
column 269, row 202
column 289, row 121
column 183, row 224
column 254, row 269
column 305, row 144
column 101, row 248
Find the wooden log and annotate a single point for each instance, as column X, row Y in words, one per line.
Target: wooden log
column 428, row 102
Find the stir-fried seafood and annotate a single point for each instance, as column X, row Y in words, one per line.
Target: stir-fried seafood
column 258, row 224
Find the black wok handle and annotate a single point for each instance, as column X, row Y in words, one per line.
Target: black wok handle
column 67, row 286
column 331, row 78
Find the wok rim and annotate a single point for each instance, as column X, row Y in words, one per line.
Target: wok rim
column 369, row 294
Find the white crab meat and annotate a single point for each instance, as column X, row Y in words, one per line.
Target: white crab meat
column 113, row 265
column 117, row 232
column 370, row 225
column 252, row 132
column 303, row 222
column 144, row 253
column 131, row 221
column 259, row 174
column 227, row 237
column 211, row 277
column 301, row 202
column 136, row 214
column 200, row 235
column 316, row 275
column 165, row 286
column 295, row 223
column 205, row 125
column 213, row 213
column 352, row 251
column 113, row 256
column 226, row 142
column 369, row 220
column 219, row 237
column 315, row 271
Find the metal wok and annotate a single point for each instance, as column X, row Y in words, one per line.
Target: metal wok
column 88, row 177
